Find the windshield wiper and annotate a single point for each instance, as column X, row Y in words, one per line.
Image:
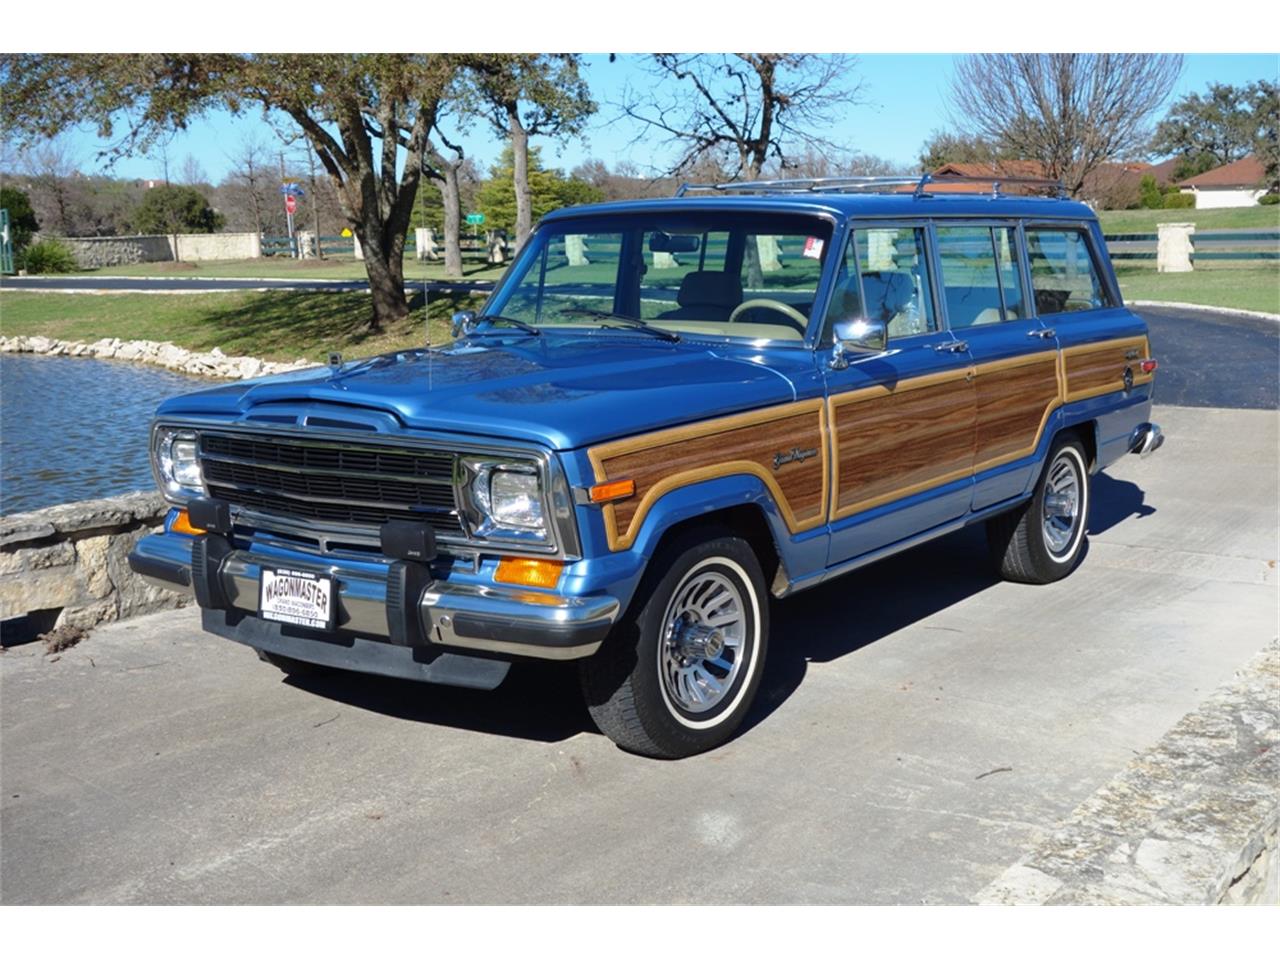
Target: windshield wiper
column 633, row 323
column 526, row 327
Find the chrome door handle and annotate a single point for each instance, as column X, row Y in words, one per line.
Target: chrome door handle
column 954, row 346
column 1044, row 334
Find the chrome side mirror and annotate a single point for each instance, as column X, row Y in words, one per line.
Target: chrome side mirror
column 861, row 335
column 464, row 322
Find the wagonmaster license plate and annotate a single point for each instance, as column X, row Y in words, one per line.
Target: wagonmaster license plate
column 298, row 597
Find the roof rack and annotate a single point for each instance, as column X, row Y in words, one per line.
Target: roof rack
column 919, row 185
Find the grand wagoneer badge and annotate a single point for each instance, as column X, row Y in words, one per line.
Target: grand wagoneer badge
column 796, row 455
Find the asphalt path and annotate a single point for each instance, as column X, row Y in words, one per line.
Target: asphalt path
column 213, row 284
column 1214, row 359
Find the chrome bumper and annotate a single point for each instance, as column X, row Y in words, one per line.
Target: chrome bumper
column 463, row 616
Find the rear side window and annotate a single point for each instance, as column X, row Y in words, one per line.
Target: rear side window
column 981, row 281
column 1063, row 275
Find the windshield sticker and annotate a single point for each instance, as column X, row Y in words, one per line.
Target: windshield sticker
column 813, row 248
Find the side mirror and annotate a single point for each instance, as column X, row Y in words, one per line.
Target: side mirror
column 861, row 335
column 464, row 322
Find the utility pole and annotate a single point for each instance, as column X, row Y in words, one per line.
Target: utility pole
column 315, row 202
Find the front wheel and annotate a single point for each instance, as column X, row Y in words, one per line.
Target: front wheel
column 1042, row 540
column 679, row 676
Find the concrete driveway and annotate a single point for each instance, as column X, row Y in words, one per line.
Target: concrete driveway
column 921, row 727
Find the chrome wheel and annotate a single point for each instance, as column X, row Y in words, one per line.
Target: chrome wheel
column 703, row 645
column 1062, row 502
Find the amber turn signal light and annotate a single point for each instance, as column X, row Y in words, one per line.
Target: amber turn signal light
column 525, row 572
column 1149, row 366
column 613, row 490
column 182, row 524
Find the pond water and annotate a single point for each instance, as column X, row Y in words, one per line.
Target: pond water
column 74, row 429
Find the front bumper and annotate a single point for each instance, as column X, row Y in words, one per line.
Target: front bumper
column 466, row 616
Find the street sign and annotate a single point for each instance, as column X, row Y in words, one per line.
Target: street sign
column 292, row 188
column 475, row 219
column 290, row 204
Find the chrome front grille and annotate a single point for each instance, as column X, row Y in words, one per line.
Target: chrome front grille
column 331, row 482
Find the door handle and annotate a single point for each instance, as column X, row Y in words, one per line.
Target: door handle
column 1043, row 334
column 953, row 346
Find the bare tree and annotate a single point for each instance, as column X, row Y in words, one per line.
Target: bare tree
column 741, row 110
column 193, row 174
column 1069, row 111
column 50, row 168
column 249, row 177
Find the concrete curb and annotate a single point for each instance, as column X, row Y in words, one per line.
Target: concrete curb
column 1191, row 821
column 1230, row 311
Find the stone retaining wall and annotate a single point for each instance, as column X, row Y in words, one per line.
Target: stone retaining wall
column 213, row 363
column 1193, row 820
column 67, row 565
column 96, row 252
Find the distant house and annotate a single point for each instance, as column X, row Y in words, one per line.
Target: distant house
column 1239, row 184
column 1109, row 186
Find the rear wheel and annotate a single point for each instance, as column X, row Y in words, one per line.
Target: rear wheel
column 1043, row 539
column 679, row 676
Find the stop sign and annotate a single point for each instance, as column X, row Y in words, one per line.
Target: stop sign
column 290, row 203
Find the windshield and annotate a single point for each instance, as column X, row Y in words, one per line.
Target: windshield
column 693, row 274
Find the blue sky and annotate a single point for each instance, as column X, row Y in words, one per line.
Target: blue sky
column 905, row 98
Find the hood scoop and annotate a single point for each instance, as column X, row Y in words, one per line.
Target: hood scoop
column 323, row 416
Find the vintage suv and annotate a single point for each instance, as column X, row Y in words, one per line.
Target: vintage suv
column 667, row 412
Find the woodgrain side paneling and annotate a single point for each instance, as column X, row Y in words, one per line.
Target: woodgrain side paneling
column 892, row 442
column 1093, row 369
column 744, row 443
column 1014, row 399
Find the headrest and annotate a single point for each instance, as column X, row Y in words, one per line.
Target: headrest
column 709, row 288
column 888, row 293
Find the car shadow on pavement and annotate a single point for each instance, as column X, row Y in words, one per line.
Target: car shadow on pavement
column 536, row 701
column 838, row 618
column 1115, row 501
column 542, row 702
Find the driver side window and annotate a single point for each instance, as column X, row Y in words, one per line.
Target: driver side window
column 884, row 276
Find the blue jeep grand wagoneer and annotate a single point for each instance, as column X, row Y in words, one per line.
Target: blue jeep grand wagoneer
column 667, row 413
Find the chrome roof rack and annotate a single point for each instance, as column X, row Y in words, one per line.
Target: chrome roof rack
column 919, row 185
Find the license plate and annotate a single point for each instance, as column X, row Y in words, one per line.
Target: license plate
column 297, row 597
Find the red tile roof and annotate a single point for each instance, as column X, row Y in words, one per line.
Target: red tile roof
column 1248, row 172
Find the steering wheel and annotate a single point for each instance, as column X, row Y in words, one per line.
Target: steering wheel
column 798, row 319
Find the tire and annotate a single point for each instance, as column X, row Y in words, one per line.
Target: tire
column 294, row 668
column 652, row 686
column 1042, row 540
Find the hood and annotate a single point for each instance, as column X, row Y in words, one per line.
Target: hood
column 560, row 390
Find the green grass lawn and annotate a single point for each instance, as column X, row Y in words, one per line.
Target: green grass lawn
column 1235, row 218
column 337, row 268
column 279, row 325
column 1241, row 287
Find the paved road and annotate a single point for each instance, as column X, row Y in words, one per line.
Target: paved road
column 195, row 284
column 152, row 763
column 1212, row 359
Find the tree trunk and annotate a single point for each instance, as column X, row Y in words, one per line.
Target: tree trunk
column 451, row 196
column 385, row 267
column 520, row 155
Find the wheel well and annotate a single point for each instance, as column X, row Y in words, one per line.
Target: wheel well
column 747, row 522
column 1087, row 433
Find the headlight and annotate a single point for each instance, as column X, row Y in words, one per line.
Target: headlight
column 505, row 500
column 177, row 466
